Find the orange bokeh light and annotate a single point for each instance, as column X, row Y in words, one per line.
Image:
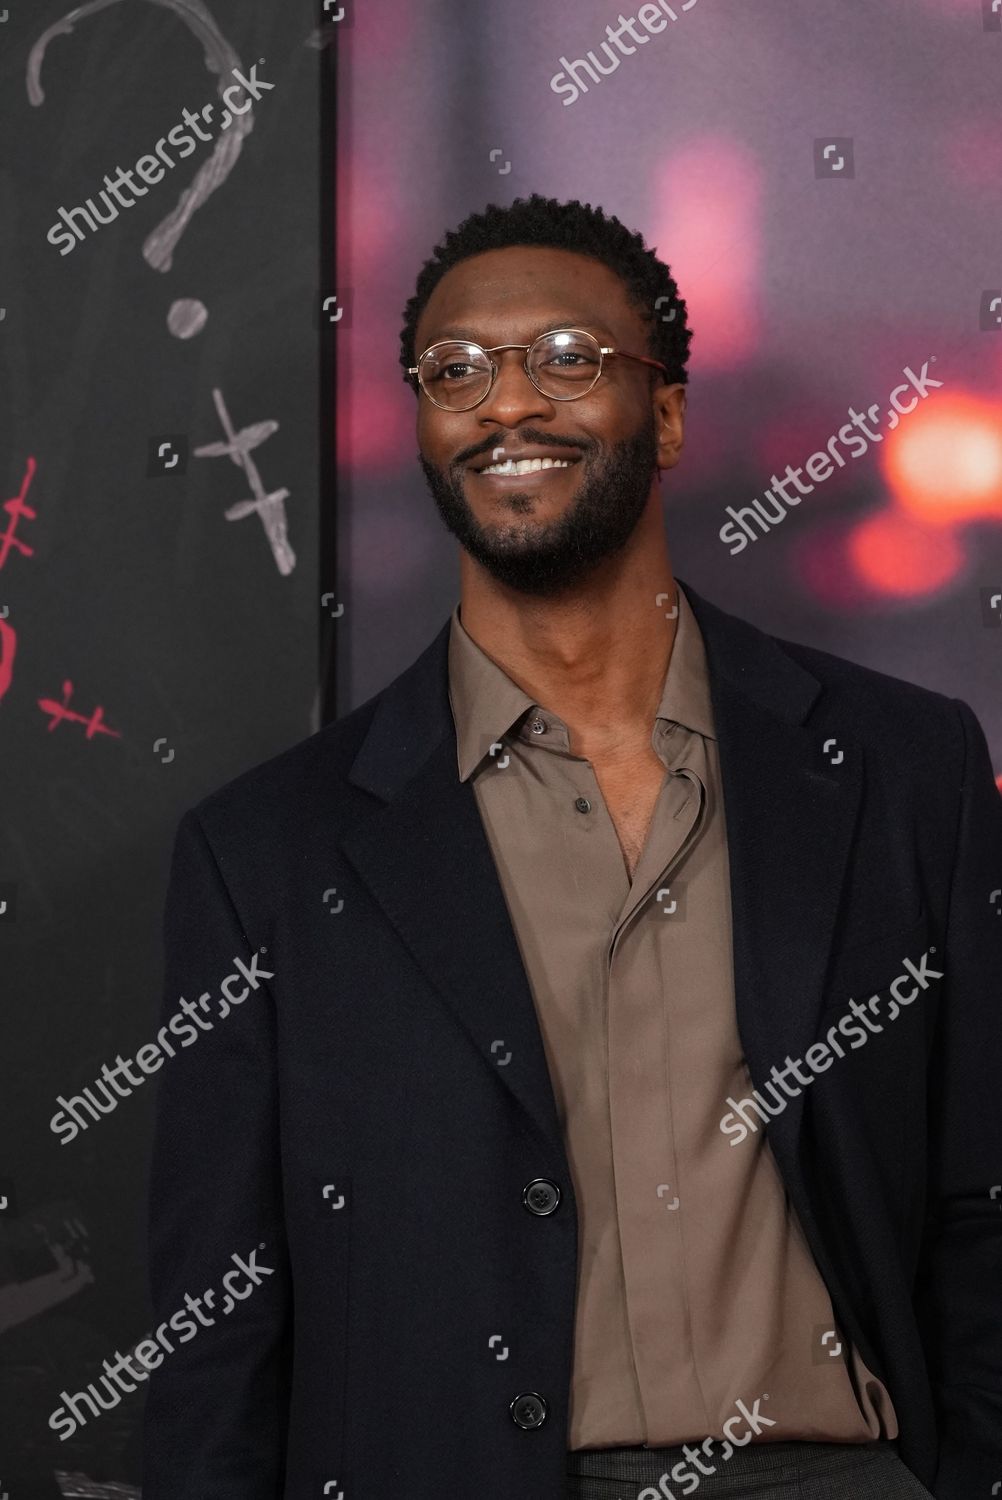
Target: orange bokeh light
column 943, row 462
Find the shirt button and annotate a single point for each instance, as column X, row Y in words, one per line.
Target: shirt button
column 538, row 726
column 528, row 1410
column 582, row 804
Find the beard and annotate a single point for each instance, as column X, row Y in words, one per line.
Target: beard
column 547, row 560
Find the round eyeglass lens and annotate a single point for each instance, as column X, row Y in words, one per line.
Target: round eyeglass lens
column 456, row 375
column 565, row 364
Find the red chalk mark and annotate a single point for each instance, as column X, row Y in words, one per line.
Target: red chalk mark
column 61, row 711
column 8, row 646
column 16, row 508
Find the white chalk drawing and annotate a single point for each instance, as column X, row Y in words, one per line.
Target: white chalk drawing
column 75, row 1485
column 64, row 1238
column 187, row 316
column 270, row 507
column 220, row 58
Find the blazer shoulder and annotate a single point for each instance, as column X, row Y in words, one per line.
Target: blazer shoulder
column 893, row 709
column 304, row 792
column 302, row 783
column 802, row 679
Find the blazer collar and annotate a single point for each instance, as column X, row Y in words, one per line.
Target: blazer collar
column 413, row 713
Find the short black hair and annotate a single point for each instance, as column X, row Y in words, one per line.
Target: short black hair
column 574, row 226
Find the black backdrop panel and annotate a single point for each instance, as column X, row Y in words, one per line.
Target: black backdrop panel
column 159, row 610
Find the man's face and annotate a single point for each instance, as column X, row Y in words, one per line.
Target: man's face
column 541, row 533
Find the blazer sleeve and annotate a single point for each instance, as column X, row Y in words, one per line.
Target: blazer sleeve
column 959, row 1294
column 217, row 1400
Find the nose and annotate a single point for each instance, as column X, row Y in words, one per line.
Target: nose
column 513, row 397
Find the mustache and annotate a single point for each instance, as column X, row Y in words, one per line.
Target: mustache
column 528, row 436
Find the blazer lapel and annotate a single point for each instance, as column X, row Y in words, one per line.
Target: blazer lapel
column 790, row 808
column 424, row 856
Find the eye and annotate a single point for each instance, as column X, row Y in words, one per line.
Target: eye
column 456, row 364
column 569, row 354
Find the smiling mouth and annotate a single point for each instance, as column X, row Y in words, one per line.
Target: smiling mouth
column 511, row 470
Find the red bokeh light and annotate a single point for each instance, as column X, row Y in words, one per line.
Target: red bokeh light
column 708, row 227
column 894, row 556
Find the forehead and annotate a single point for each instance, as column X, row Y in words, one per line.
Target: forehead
column 511, row 295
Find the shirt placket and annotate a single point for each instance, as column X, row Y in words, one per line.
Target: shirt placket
column 649, row 1176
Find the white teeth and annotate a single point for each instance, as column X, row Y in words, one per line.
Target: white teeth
column 528, row 465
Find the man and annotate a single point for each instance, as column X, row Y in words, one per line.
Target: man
column 568, row 1140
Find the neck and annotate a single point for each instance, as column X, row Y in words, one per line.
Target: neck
column 596, row 657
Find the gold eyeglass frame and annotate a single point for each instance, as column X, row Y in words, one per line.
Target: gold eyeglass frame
column 603, row 351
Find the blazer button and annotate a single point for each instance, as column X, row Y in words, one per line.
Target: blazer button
column 528, row 1410
column 541, row 1196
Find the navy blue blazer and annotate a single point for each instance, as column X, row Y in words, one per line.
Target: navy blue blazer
column 341, row 1238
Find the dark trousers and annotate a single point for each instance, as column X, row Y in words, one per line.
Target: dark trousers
column 759, row 1471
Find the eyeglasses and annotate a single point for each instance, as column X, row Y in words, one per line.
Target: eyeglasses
column 563, row 365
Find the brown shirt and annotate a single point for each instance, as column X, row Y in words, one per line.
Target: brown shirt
column 696, row 1286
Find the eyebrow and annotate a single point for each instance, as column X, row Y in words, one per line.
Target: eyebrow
column 548, row 325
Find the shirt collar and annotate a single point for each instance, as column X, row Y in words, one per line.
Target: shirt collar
column 486, row 703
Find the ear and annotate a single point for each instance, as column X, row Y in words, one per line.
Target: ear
column 669, row 416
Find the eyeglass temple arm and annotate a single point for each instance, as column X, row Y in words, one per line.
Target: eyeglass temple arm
column 641, row 358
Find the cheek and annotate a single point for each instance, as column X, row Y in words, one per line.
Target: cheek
column 606, row 422
column 435, row 442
